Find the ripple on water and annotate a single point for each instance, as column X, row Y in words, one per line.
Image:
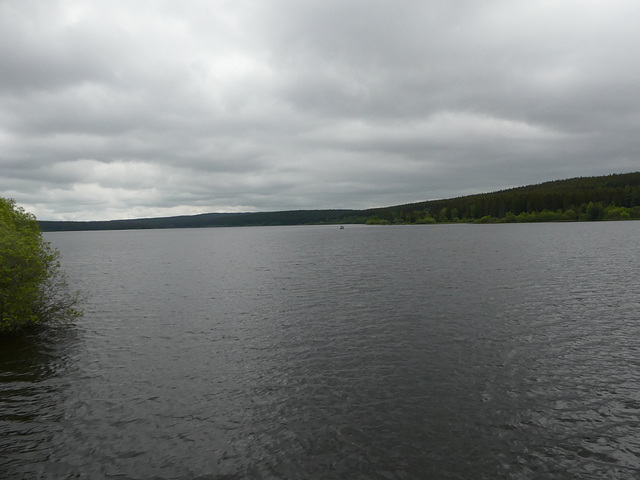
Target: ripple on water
column 435, row 352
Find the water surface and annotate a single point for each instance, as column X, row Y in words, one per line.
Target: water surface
column 446, row 351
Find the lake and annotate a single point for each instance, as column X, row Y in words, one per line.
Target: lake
column 405, row 352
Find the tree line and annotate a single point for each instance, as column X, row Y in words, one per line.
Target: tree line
column 292, row 217
column 611, row 197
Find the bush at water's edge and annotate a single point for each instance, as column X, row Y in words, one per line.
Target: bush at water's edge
column 33, row 289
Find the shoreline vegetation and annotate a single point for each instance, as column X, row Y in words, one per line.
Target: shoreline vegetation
column 610, row 197
column 33, row 289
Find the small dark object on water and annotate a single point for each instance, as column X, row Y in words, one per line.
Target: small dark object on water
column 341, row 227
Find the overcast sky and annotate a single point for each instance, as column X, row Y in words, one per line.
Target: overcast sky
column 129, row 108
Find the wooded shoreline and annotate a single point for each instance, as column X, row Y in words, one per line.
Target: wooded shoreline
column 610, row 197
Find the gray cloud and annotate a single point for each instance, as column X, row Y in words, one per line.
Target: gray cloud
column 137, row 109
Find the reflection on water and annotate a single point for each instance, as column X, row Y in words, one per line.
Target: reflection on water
column 499, row 351
column 38, row 355
column 32, row 371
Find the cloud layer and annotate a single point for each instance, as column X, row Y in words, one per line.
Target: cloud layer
column 122, row 109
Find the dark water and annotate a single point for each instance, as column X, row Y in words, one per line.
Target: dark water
column 455, row 351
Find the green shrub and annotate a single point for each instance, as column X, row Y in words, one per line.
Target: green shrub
column 33, row 289
column 616, row 213
column 426, row 220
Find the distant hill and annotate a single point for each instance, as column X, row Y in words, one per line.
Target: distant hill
column 293, row 217
column 610, row 197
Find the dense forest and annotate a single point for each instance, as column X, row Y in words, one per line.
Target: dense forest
column 611, row 197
